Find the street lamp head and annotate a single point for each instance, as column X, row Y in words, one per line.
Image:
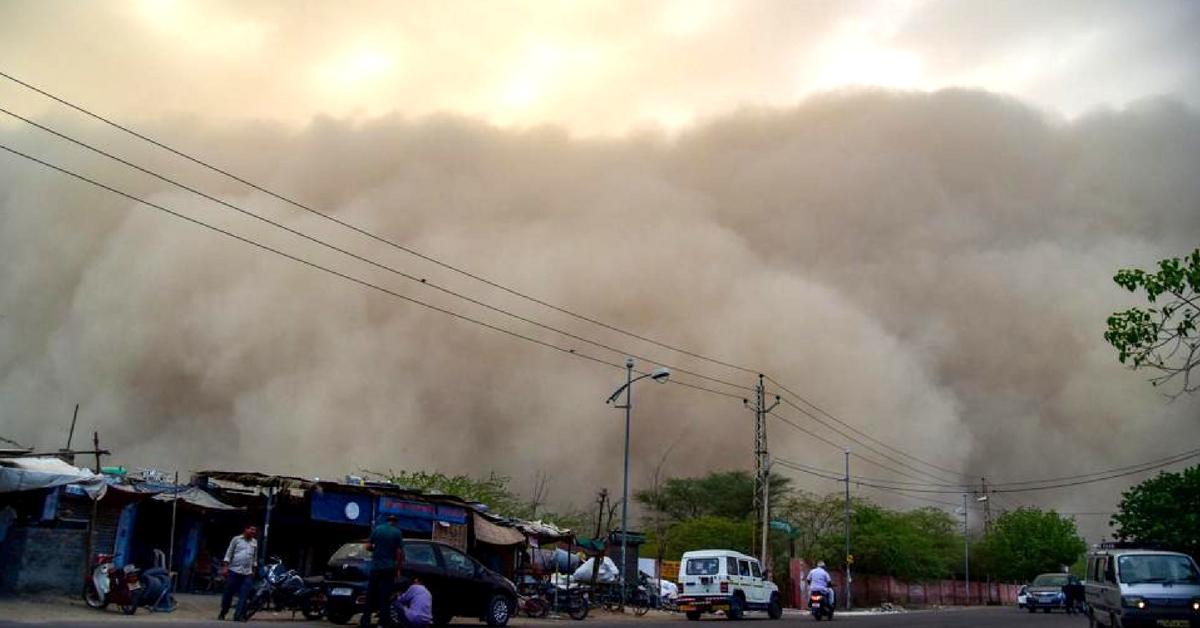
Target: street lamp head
column 661, row 374
column 981, row 498
column 628, row 363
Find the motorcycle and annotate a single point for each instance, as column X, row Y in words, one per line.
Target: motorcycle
column 284, row 590
column 108, row 584
column 820, row 605
column 573, row 601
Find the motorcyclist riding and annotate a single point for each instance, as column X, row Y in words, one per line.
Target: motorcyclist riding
column 819, row 579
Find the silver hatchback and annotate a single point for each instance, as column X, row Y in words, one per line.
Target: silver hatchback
column 1138, row 587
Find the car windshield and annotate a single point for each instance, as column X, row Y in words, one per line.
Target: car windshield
column 1050, row 580
column 1157, row 568
column 703, row 567
column 352, row 551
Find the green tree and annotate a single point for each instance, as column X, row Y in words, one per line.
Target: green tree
column 915, row 545
column 1165, row 509
column 1162, row 338
column 1025, row 542
column 704, row 532
column 812, row 519
column 725, row 494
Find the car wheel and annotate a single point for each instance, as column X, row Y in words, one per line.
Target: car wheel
column 339, row 615
column 313, row 608
column 736, row 607
column 775, row 609
column 498, row 611
column 693, row 615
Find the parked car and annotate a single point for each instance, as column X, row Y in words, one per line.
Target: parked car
column 1046, row 592
column 724, row 580
column 1129, row 586
column 460, row 585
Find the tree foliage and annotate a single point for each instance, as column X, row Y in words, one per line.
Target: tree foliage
column 704, row 532
column 1165, row 509
column 1164, row 337
column 1026, row 542
column 726, row 494
column 493, row 491
column 914, row 545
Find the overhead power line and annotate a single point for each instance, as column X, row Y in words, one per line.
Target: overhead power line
column 381, row 239
column 351, row 254
column 881, row 443
column 861, row 443
column 456, row 269
column 339, row 274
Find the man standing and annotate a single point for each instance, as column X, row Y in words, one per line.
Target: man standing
column 387, row 556
column 241, row 559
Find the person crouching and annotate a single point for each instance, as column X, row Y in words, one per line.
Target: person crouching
column 414, row 607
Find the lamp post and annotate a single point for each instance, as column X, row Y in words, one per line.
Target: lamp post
column 660, row 375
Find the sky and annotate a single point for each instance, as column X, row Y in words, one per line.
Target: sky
column 907, row 212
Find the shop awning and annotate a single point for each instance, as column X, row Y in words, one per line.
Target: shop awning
column 196, row 497
column 27, row 474
column 492, row 534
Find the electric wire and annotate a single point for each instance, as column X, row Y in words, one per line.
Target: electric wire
column 822, row 411
column 367, row 233
column 339, row 274
column 428, row 258
column 862, row 444
column 358, row 257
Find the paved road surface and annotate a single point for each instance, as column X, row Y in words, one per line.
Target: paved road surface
column 975, row 618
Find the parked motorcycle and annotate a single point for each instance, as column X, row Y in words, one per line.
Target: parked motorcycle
column 108, row 584
column 573, row 601
column 820, row 605
column 284, row 590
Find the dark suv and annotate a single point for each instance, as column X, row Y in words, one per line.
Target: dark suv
column 461, row 587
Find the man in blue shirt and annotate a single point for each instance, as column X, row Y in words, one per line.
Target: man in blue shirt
column 387, row 558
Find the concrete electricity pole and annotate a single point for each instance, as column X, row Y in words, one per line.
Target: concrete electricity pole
column 762, row 463
column 849, row 558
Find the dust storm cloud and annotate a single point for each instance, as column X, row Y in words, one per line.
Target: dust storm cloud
column 934, row 267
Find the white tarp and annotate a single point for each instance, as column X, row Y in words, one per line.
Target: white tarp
column 608, row 571
column 27, row 474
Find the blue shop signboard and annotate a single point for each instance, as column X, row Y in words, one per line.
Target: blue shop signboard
column 342, row 508
column 419, row 516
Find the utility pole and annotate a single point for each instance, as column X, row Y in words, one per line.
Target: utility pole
column 966, row 550
column 849, row 558
column 987, row 506
column 762, row 462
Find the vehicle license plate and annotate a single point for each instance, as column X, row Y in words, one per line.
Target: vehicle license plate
column 134, row 586
column 687, row 607
column 342, row 591
column 1174, row 622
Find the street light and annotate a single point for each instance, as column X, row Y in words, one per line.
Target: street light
column 660, row 375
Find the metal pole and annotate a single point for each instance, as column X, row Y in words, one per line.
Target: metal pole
column 766, row 510
column 625, row 482
column 966, row 550
column 267, row 526
column 846, row 584
column 171, row 548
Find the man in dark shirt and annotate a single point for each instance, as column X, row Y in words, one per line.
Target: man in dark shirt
column 387, row 547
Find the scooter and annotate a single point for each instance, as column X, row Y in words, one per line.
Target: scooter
column 820, row 605
column 284, row 589
column 108, row 584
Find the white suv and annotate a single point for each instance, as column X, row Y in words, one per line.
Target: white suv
column 724, row 580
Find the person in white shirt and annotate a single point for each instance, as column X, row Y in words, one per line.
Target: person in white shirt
column 241, row 559
column 819, row 579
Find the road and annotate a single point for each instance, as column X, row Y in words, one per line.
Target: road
column 973, row 618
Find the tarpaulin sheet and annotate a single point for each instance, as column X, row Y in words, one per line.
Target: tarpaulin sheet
column 27, row 474
column 197, row 497
column 492, row 534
